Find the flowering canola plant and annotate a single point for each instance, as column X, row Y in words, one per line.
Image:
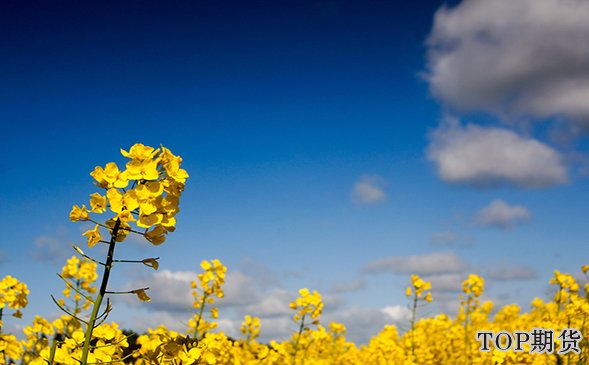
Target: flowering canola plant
column 142, row 199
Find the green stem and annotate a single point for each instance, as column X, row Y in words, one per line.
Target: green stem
column 296, row 346
column 200, row 313
column 466, row 318
column 559, row 298
column 2, row 352
column 99, row 297
column 413, row 326
column 77, row 301
column 52, row 353
column 123, row 228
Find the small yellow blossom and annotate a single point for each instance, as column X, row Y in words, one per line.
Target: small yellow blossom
column 79, row 214
column 97, row 203
column 93, row 236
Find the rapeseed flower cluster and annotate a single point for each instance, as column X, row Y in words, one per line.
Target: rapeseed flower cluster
column 250, row 328
column 146, row 194
column 13, row 295
column 208, row 287
column 79, row 276
column 419, row 290
column 307, row 304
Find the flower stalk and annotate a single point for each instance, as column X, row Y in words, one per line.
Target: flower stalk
column 101, row 293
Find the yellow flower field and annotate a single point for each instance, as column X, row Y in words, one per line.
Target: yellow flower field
column 143, row 199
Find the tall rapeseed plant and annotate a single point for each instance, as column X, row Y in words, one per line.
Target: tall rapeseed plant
column 142, row 199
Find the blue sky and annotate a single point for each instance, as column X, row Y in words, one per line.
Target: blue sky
column 335, row 145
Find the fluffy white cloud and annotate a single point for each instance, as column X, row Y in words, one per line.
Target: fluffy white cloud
column 397, row 313
column 426, row 264
column 502, row 215
column 171, row 303
column 512, row 57
column 369, row 190
column 489, row 157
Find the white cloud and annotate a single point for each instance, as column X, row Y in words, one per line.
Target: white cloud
column 397, row 313
column 502, row 215
column 369, row 190
column 426, row 264
column 274, row 303
column 171, row 291
column 171, row 303
column 490, row 157
column 513, row 58
column 509, row 272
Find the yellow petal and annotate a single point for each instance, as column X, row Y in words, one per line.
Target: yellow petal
column 115, row 198
column 205, row 265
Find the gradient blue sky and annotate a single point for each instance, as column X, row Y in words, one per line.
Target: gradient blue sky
column 329, row 146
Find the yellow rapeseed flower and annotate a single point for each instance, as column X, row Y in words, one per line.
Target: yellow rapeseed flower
column 79, row 214
column 93, row 236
